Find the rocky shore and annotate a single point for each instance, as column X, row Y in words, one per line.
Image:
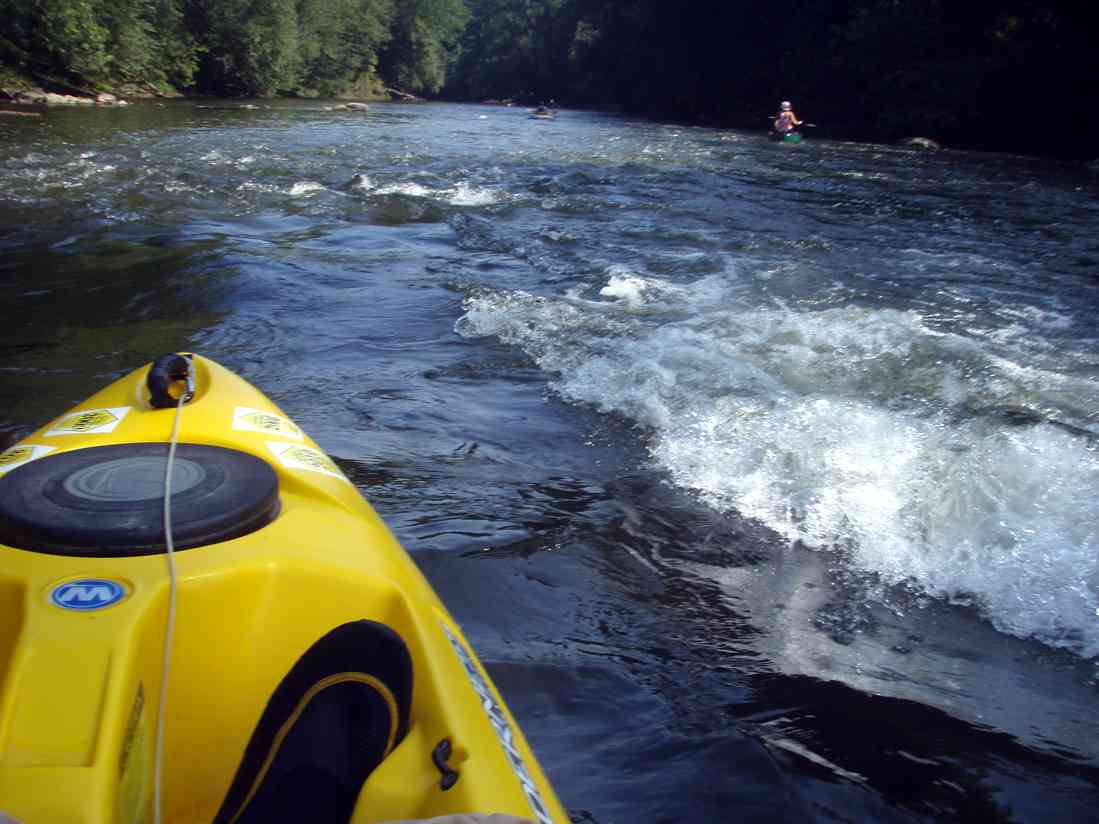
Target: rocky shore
column 26, row 97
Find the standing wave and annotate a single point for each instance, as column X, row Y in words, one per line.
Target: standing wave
column 924, row 457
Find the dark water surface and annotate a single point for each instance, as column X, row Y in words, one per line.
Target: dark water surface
column 761, row 476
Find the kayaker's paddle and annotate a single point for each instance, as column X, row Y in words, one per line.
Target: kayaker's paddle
column 803, row 123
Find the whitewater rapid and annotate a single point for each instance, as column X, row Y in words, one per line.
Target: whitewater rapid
column 911, row 452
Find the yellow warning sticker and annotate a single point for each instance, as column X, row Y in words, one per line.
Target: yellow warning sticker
column 293, row 456
column 19, row 455
column 258, row 420
column 90, row 421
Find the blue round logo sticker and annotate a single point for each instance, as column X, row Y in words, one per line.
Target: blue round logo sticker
column 87, row 594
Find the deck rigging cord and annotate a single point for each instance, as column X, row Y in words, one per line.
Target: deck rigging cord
column 169, row 627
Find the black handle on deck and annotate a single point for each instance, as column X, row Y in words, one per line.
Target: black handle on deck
column 439, row 757
column 164, row 372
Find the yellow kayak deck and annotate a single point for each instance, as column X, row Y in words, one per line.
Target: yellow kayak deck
column 82, row 638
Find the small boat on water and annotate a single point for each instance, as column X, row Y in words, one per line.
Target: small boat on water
column 542, row 113
column 203, row 618
column 786, row 137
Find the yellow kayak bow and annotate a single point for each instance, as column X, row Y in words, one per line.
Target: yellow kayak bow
column 313, row 675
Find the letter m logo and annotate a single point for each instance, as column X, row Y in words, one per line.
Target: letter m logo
column 87, row 594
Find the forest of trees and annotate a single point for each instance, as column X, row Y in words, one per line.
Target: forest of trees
column 235, row 48
column 1007, row 74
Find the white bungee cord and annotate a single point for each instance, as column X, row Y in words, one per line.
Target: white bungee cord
column 158, row 762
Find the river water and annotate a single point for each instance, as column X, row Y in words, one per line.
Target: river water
column 761, row 476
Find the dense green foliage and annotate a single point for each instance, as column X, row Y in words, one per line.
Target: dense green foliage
column 424, row 44
column 994, row 73
column 132, row 41
column 339, row 40
column 235, row 47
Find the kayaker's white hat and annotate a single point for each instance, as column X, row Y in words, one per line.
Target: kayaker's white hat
column 786, row 104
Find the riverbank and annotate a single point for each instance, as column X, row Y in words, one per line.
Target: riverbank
column 19, row 92
column 18, row 89
column 39, row 97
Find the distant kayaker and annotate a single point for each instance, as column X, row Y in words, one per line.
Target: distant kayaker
column 786, row 120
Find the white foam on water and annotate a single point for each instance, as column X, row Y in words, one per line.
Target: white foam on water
column 466, row 195
column 86, row 170
column 462, row 194
column 215, row 157
column 406, row 187
column 256, row 186
column 305, row 188
column 30, row 179
column 859, row 431
column 363, row 182
column 629, row 289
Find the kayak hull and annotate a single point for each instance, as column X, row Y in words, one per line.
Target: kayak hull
column 82, row 637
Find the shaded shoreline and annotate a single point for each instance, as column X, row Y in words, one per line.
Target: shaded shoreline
column 24, row 91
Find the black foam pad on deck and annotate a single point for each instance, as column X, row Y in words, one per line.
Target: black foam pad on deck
column 108, row 501
column 340, row 710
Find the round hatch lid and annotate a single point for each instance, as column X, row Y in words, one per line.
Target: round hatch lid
column 108, row 501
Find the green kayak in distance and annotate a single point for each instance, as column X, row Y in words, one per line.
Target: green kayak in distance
column 786, row 137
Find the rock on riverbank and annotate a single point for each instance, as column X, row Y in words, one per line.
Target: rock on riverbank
column 27, row 97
